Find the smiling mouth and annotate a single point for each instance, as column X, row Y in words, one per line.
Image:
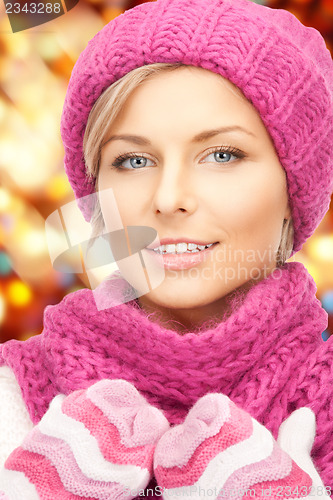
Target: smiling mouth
column 181, row 255
column 181, row 248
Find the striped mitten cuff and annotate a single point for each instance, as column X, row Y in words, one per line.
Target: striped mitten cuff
column 221, row 452
column 96, row 443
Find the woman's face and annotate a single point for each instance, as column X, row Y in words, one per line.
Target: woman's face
column 201, row 169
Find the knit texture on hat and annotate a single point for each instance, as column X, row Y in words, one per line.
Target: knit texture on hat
column 283, row 68
column 268, row 357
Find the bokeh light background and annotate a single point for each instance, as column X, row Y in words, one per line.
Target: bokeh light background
column 35, row 66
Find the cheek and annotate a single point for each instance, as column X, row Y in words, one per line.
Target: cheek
column 118, row 200
column 251, row 210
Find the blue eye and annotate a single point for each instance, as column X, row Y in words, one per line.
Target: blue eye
column 134, row 161
column 131, row 161
column 224, row 155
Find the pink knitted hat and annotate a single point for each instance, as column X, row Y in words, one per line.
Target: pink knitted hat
column 282, row 67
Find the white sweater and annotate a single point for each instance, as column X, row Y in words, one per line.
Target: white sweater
column 15, row 422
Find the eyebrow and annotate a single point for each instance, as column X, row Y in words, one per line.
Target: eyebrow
column 203, row 136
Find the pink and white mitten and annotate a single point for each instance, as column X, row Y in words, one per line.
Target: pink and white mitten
column 220, row 451
column 96, row 443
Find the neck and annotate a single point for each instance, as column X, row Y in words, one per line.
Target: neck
column 183, row 320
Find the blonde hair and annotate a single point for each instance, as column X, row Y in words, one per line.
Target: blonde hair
column 104, row 112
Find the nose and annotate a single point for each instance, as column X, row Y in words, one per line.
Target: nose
column 175, row 190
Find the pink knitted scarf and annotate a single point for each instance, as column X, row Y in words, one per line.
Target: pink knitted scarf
column 268, row 356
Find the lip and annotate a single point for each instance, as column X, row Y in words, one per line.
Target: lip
column 172, row 241
column 180, row 261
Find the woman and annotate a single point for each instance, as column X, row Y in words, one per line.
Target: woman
column 211, row 123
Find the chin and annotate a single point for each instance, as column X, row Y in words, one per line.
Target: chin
column 180, row 297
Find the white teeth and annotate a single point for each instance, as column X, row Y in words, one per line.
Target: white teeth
column 181, row 248
column 169, row 248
